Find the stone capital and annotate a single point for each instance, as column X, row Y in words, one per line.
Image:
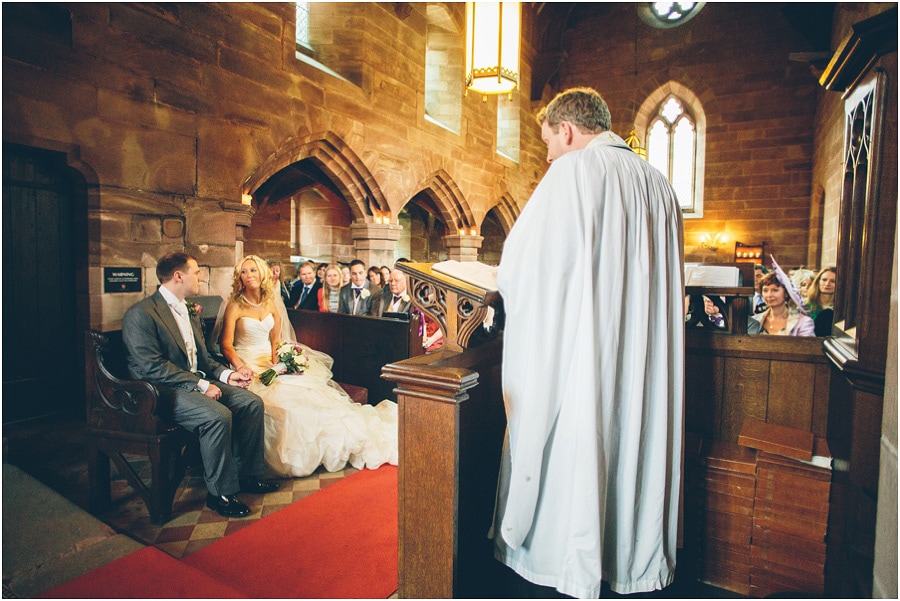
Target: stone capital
column 375, row 231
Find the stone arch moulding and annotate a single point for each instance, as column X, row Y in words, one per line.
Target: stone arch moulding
column 338, row 161
column 454, row 207
column 507, row 211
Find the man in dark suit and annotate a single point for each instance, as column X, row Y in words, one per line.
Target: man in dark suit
column 356, row 297
column 166, row 348
column 395, row 298
column 305, row 292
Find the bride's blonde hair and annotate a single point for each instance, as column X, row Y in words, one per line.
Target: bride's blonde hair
column 266, row 282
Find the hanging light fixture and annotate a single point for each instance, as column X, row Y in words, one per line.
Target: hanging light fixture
column 492, row 47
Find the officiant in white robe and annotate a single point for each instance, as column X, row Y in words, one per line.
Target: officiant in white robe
column 592, row 373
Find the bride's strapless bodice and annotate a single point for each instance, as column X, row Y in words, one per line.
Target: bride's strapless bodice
column 250, row 332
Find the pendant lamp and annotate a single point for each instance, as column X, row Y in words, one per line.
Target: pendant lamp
column 492, row 47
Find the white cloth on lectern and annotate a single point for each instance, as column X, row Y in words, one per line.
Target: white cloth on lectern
column 592, row 377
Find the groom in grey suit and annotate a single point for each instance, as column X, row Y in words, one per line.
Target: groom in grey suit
column 166, row 348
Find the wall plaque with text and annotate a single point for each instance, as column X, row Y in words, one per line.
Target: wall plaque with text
column 122, row 279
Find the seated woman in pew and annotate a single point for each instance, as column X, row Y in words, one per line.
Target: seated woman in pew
column 309, row 420
column 376, row 279
column 330, row 292
column 781, row 317
column 820, row 300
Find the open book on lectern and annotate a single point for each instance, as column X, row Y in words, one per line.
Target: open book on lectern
column 471, row 272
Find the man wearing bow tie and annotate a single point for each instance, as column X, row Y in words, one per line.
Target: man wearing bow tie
column 395, row 298
column 305, row 291
column 166, row 348
column 356, row 297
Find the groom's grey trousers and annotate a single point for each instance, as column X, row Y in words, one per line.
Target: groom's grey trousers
column 226, row 456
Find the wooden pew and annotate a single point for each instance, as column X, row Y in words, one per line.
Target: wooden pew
column 360, row 345
column 125, row 417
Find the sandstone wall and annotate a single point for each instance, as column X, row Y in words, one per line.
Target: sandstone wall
column 172, row 108
column 759, row 106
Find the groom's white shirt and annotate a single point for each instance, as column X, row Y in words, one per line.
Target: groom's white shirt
column 179, row 312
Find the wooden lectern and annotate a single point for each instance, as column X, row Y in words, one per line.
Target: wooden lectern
column 451, row 428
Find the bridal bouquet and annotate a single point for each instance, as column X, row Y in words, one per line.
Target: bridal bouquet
column 291, row 359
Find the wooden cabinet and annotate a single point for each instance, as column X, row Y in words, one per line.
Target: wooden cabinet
column 864, row 71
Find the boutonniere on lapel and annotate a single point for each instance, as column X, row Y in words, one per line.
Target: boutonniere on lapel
column 194, row 309
column 365, row 293
column 405, row 298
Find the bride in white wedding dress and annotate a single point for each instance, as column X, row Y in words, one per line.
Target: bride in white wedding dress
column 309, row 420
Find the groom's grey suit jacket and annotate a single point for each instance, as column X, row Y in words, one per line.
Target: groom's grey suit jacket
column 156, row 348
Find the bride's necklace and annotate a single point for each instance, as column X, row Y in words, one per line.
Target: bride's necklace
column 246, row 300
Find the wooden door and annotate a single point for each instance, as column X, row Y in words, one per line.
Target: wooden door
column 42, row 365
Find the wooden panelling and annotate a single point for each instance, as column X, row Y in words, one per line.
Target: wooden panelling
column 745, row 395
column 783, row 380
column 791, row 388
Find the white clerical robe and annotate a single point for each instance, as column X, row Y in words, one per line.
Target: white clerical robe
column 592, row 376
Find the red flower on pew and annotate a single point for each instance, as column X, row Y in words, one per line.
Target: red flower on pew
column 292, row 359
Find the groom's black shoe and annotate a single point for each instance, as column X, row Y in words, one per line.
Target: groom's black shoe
column 228, row 506
column 252, row 486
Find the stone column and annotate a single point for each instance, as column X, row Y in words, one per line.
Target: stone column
column 375, row 242
column 462, row 248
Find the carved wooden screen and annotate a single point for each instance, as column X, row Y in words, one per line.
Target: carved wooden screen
column 865, row 231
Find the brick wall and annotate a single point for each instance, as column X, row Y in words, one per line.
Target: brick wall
column 760, row 111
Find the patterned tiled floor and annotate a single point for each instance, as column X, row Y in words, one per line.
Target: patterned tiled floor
column 193, row 525
column 54, row 454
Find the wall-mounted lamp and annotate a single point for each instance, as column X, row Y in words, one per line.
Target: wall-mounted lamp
column 246, row 199
column 713, row 242
column 492, row 47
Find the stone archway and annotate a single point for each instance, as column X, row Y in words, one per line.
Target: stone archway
column 347, row 177
column 507, row 211
column 461, row 240
column 339, row 163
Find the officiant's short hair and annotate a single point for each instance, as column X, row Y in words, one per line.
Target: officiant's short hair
column 582, row 107
column 169, row 263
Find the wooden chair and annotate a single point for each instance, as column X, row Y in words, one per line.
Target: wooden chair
column 124, row 417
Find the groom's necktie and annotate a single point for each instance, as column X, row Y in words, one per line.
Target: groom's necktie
column 356, row 292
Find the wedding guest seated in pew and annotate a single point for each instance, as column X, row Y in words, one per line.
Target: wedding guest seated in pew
column 801, row 278
column 757, row 304
column 329, row 294
column 386, row 274
column 309, row 420
column 320, row 272
column 781, row 318
column 820, row 300
column 275, row 268
column 356, row 297
column 304, row 294
column 376, row 279
column 395, row 298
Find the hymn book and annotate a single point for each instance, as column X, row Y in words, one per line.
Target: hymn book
column 471, row 272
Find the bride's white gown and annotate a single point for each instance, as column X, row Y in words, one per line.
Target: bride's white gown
column 309, row 421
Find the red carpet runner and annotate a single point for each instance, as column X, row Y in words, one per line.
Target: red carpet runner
column 340, row 542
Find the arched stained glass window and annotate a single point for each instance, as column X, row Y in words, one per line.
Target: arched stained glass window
column 672, row 148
